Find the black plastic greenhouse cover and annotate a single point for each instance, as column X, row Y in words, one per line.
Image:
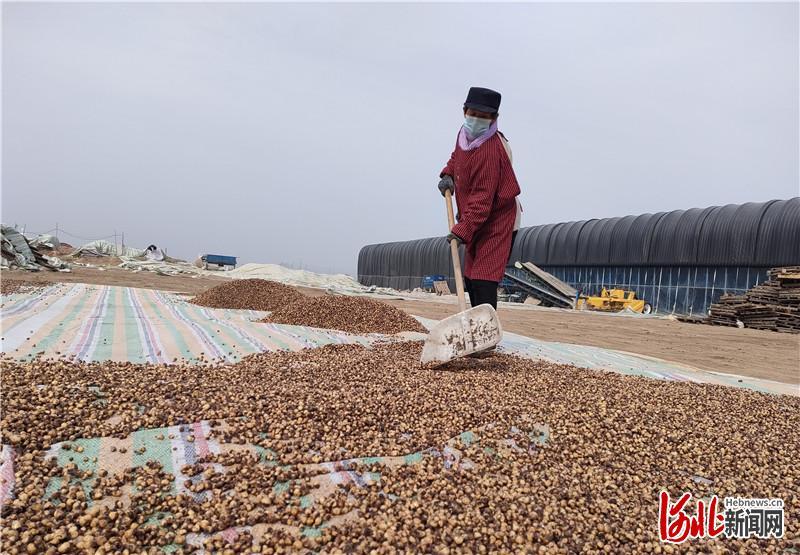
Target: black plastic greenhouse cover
column 752, row 235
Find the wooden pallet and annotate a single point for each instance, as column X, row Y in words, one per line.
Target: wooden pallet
column 441, row 287
column 772, row 305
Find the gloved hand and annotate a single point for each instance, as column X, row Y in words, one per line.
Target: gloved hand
column 452, row 236
column 446, row 183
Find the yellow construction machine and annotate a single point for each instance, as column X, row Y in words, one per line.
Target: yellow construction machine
column 613, row 300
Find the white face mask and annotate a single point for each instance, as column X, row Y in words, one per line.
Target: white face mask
column 476, row 126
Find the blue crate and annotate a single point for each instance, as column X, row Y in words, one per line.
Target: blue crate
column 219, row 259
column 427, row 281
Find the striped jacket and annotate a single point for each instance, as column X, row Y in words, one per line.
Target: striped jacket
column 486, row 191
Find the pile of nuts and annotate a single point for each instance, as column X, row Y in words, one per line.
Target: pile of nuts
column 11, row 286
column 349, row 314
column 249, row 294
column 615, row 442
column 288, row 306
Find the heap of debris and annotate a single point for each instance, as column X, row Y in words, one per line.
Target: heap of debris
column 20, row 252
column 348, row 314
column 249, row 294
column 772, row 305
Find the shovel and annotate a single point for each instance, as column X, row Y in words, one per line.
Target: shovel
column 469, row 331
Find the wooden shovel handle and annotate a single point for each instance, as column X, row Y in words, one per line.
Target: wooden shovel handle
column 451, row 220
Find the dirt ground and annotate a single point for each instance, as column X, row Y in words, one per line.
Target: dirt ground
column 119, row 276
column 755, row 353
column 760, row 354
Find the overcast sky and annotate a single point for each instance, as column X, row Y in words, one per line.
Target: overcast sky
column 297, row 133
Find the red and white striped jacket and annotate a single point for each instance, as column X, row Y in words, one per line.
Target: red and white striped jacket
column 486, row 191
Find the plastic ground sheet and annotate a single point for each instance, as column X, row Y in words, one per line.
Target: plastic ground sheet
column 175, row 447
column 97, row 323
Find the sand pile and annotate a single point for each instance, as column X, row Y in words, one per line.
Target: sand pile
column 249, row 294
column 589, row 483
column 350, row 314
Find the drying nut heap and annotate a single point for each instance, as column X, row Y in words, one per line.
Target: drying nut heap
column 349, row 314
column 615, row 442
column 249, row 294
column 11, row 286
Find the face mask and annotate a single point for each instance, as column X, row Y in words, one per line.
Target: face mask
column 476, row 126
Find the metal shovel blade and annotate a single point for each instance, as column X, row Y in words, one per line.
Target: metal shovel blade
column 462, row 334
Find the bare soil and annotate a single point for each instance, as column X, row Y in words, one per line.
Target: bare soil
column 759, row 354
column 756, row 353
column 119, row 276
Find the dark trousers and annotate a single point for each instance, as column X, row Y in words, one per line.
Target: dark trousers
column 482, row 291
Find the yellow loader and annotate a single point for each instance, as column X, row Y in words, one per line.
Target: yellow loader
column 613, row 300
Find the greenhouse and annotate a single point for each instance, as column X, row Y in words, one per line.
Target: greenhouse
column 680, row 261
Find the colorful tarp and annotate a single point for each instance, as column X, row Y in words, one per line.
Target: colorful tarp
column 96, row 323
column 175, row 447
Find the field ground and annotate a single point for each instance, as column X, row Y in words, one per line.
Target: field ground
column 754, row 353
column 119, row 276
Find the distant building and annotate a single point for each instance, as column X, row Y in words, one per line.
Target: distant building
column 679, row 261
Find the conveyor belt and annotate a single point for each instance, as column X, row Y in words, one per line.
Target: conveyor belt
column 537, row 288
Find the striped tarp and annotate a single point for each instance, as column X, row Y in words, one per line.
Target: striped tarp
column 97, row 323
column 174, row 447
column 7, row 479
column 632, row 364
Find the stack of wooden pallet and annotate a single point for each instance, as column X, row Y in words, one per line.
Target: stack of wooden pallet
column 772, row 305
column 788, row 298
column 725, row 312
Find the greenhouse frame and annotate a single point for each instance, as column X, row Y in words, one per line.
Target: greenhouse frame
column 679, row 261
